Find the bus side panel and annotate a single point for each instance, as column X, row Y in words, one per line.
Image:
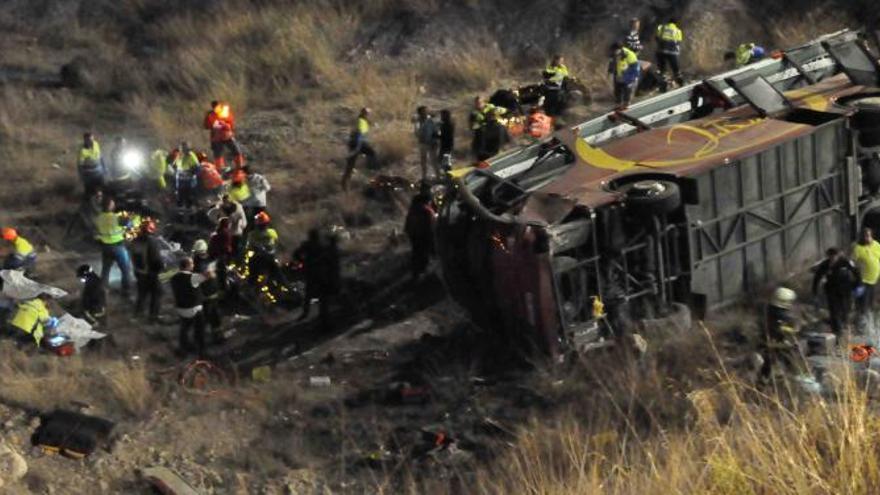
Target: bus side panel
column 770, row 215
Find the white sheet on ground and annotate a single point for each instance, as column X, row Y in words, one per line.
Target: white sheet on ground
column 77, row 330
column 17, row 286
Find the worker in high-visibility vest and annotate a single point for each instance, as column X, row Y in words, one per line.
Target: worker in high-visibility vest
column 90, row 164
column 359, row 144
column 669, row 39
column 555, row 75
column 22, row 257
column 110, row 227
column 625, row 69
column 185, row 179
column 745, row 54
column 221, row 123
column 480, row 116
column 33, row 318
column 158, row 169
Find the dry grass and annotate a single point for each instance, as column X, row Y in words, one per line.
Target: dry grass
column 739, row 441
column 45, row 381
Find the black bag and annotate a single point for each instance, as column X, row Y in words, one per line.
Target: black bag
column 73, row 434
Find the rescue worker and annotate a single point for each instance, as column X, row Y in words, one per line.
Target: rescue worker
column 625, row 69
column 110, row 227
column 188, row 300
column 211, row 294
column 146, row 254
column 507, row 98
column 33, row 318
column 426, row 134
column 200, row 257
column 221, row 123
column 320, row 259
column 263, row 242
column 237, row 220
column 479, row 117
column 221, row 249
column 745, row 54
column 555, row 75
column 669, row 39
column 447, row 140
column 419, row 228
column 359, row 144
column 186, row 168
column 781, row 327
column 633, row 39
column 259, row 187
column 238, row 190
column 93, row 299
column 538, row 124
column 493, row 137
column 158, row 170
column 22, row 255
column 90, row 164
column 866, row 256
column 209, row 178
column 840, row 276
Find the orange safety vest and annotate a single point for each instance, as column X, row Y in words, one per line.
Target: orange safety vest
column 222, row 128
column 539, row 125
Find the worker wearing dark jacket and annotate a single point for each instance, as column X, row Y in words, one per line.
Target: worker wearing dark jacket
column 212, row 292
column 781, row 327
column 447, row 140
column 146, row 257
column 93, row 300
column 633, row 39
column 419, row 228
column 188, row 299
column 320, row 259
column 840, row 277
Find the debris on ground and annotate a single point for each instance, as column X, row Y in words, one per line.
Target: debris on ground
column 72, row 434
column 167, row 482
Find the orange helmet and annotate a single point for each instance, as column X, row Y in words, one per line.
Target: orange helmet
column 9, row 234
column 262, row 218
column 148, row 226
column 238, row 176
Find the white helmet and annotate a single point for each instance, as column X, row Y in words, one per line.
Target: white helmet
column 784, row 297
column 200, row 247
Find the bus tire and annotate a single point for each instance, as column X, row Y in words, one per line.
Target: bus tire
column 652, row 197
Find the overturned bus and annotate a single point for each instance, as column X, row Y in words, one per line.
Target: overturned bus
column 693, row 198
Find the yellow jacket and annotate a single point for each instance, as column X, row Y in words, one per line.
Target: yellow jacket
column 30, row 316
column 240, row 193
column 22, row 247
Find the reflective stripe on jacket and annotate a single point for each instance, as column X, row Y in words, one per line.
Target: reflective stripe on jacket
column 90, row 157
column 30, row 316
column 557, row 74
column 669, row 37
column 109, row 228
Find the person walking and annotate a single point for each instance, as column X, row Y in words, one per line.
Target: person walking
column 146, row 256
column 866, row 256
column 188, row 299
column 669, row 39
column 839, row 276
column 220, row 122
column 111, row 235
column 359, row 144
column 426, row 133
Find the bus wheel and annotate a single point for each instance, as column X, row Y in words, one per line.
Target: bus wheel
column 652, row 197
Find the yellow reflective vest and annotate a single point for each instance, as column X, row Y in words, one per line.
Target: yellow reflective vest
column 109, row 227
column 557, row 73
column 744, row 53
column 21, row 246
column 363, row 126
column 30, row 316
column 480, row 116
column 187, row 162
column 670, row 37
column 240, row 193
column 623, row 63
column 158, row 167
column 264, row 239
column 90, row 156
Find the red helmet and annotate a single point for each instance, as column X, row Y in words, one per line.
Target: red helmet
column 9, row 234
column 148, row 226
column 262, row 218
